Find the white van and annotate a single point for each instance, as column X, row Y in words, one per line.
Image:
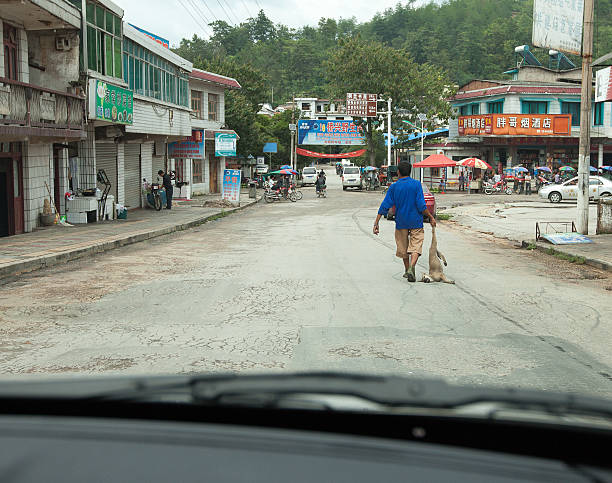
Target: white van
column 351, row 177
column 309, row 175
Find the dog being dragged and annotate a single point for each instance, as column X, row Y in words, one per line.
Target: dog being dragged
column 436, row 272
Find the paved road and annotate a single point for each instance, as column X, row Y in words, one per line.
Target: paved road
column 307, row 286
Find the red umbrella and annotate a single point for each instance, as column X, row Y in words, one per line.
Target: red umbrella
column 474, row 163
column 435, row 161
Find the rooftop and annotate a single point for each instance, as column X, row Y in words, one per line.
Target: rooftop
column 219, row 79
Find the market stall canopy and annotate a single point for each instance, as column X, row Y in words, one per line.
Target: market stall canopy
column 435, row 161
column 543, row 168
column 593, row 169
column 474, row 163
column 284, row 171
column 566, row 168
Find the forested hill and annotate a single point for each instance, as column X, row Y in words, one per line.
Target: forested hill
column 468, row 38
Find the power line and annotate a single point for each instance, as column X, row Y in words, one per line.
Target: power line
column 209, row 9
column 257, row 2
column 226, row 14
column 233, row 13
column 192, row 16
column 198, row 10
column 247, row 9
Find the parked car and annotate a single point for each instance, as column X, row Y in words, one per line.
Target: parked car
column 430, row 201
column 351, row 177
column 598, row 187
column 309, row 175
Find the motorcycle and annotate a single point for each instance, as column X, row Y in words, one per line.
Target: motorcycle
column 270, row 196
column 153, row 198
column 321, row 191
column 498, row 187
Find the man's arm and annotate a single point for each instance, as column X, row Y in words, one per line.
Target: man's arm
column 432, row 219
column 384, row 209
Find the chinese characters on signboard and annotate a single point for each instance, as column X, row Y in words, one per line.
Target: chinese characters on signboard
column 225, row 144
column 192, row 148
column 557, row 24
column 361, row 105
column 112, row 103
column 516, row 124
column 231, row 185
column 603, row 85
column 329, row 132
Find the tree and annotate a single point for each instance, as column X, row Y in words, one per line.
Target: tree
column 371, row 67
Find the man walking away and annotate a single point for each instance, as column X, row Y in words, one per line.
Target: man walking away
column 407, row 197
column 461, row 181
column 527, row 183
column 167, row 183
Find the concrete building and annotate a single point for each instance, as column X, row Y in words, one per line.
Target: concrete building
column 198, row 169
column 322, row 109
column 41, row 108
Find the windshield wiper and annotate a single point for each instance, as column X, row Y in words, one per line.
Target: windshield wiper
column 386, row 391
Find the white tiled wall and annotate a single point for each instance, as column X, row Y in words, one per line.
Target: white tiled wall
column 37, row 159
column 1, row 50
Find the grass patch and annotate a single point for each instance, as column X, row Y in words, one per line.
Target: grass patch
column 443, row 216
column 568, row 258
column 531, row 246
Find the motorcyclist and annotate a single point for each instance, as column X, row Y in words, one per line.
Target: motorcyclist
column 320, row 182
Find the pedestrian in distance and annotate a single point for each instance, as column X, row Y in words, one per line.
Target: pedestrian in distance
column 557, row 177
column 406, row 194
column 461, row 181
column 167, row 184
column 527, row 183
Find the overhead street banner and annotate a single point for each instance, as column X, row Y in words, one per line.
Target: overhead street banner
column 558, row 25
column 361, row 105
column 516, row 125
column 313, row 154
column 324, row 133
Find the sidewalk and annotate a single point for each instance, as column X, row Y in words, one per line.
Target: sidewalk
column 516, row 221
column 58, row 244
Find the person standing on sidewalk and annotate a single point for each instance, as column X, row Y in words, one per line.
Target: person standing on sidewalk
column 527, row 183
column 461, row 181
column 167, row 183
column 407, row 196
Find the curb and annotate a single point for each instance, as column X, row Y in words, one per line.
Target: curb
column 593, row 262
column 27, row 266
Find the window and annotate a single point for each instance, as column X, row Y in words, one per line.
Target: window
column 196, row 104
column 151, row 76
column 534, row 107
column 496, row 107
column 213, row 107
column 572, row 108
column 9, row 41
column 305, row 107
column 598, row 114
column 475, row 109
column 464, row 110
column 103, row 41
column 197, row 171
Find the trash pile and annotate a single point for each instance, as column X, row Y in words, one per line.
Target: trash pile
column 218, row 204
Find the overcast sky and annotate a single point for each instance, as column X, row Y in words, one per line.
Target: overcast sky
column 170, row 18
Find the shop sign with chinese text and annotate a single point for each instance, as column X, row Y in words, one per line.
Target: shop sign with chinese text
column 344, row 133
column 225, row 144
column 231, row 185
column 191, row 148
column 603, row 85
column 516, row 125
column 557, row 24
column 361, row 105
column 111, row 103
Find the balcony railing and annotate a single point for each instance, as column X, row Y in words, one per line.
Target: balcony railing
column 27, row 105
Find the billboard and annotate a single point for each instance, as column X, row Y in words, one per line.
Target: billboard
column 190, row 148
column 160, row 40
column 516, row 125
column 225, row 143
column 361, row 105
column 231, row 185
column 316, row 132
column 603, row 85
column 110, row 103
column 558, row 25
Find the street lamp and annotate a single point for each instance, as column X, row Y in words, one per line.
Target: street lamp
column 422, row 117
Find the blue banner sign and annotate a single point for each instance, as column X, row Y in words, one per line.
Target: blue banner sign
column 231, row 185
column 344, row 133
column 190, row 148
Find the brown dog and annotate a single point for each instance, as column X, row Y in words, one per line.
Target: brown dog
column 436, row 273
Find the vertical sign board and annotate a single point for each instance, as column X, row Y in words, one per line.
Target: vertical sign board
column 231, row 185
column 361, row 105
column 225, row 144
column 603, row 85
column 558, row 25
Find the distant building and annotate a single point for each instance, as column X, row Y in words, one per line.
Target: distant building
column 322, row 109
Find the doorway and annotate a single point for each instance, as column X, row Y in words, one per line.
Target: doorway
column 11, row 195
column 213, row 175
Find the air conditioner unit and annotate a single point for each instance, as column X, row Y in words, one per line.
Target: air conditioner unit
column 62, row 43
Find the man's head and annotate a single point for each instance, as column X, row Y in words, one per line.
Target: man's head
column 160, row 172
column 404, row 169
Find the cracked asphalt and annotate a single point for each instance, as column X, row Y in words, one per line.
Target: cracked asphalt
column 306, row 286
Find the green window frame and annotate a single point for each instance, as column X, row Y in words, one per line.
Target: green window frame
column 534, row 107
column 475, row 109
column 572, row 108
column 495, row 107
column 598, row 113
column 104, row 40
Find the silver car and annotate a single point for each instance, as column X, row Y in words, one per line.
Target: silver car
column 598, row 188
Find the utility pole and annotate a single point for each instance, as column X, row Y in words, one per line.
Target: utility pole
column 422, row 117
column 584, row 151
column 292, row 156
column 389, row 163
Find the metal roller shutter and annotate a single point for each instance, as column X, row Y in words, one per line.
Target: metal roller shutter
column 158, row 163
column 106, row 159
column 132, row 175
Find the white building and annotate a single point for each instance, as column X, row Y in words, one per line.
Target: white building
column 322, row 109
column 41, row 107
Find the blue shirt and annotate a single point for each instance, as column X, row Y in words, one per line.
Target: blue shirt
column 407, row 196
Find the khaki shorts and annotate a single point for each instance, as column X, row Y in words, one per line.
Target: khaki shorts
column 409, row 241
